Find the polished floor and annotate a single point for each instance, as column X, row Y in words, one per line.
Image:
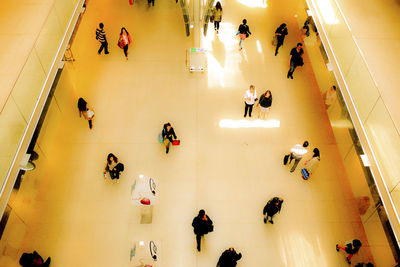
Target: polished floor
column 71, row 214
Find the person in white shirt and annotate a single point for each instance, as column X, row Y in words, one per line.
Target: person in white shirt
column 250, row 98
column 296, row 153
column 330, row 97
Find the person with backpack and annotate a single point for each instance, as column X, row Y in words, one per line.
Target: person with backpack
column 113, row 167
column 168, row 134
column 87, row 113
column 311, row 164
column 229, row 258
column 33, row 260
column 244, row 32
column 101, row 37
column 273, row 206
column 264, row 102
column 351, row 248
column 202, row 225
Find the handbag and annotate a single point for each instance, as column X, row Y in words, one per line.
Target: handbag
column 121, row 43
column 211, row 19
column 275, row 40
column 145, row 201
column 176, row 142
column 286, row 159
column 160, row 138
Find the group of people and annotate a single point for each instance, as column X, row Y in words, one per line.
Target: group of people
column 202, row 224
column 264, row 102
column 124, row 40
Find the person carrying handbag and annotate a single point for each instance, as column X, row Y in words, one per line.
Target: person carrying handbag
column 217, row 15
column 124, row 41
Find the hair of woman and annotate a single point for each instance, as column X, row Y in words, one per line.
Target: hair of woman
column 316, row 153
column 218, row 6
column 122, row 29
column 111, row 155
column 82, row 104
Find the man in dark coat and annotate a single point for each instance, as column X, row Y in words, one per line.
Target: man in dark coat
column 202, row 224
column 229, row 258
column 273, row 206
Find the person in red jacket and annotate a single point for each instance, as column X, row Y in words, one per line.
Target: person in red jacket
column 124, row 41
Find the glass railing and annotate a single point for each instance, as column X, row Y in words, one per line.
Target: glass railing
column 376, row 122
column 28, row 89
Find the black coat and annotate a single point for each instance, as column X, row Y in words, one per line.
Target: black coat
column 264, row 101
column 202, row 227
column 271, row 209
column 229, row 258
column 27, row 260
column 168, row 134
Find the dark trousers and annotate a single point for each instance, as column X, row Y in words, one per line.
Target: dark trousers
column 105, row 46
column 248, row 108
column 150, row 2
column 198, row 240
column 216, row 25
column 90, row 124
column 291, row 69
column 279, row 44
column 126, row 50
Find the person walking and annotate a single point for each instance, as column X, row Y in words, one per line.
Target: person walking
column 87, row 113
column 101, row 37
column 113, row 167
column 202, row 225
column 330, row 97
column 272, row 207
column 250, row 98
column 280, row 33
column 296, row 153
column 124, row 41
column 264, row 103
column 33, row 260
column 311, row 164
column 217, row 14
column 295, row 59
column 244, row 32
column 168, row 134
column 229, row 258
column 351, row 248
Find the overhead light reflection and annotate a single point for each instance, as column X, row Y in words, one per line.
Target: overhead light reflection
column 254, row 3
column 249, row 124
column 259, row 46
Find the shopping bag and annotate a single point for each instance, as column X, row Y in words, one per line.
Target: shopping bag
column 176, row 142
column 275, row 40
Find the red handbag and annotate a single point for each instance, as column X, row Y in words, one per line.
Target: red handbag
column 176, row 142
column 145, row 201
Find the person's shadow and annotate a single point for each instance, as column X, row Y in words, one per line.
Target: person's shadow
column 219, row 52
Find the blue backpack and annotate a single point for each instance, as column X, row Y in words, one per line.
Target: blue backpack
column 305, row 174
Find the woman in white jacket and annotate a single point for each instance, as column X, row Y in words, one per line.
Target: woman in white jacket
column 250, row 98
column 312, row 163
